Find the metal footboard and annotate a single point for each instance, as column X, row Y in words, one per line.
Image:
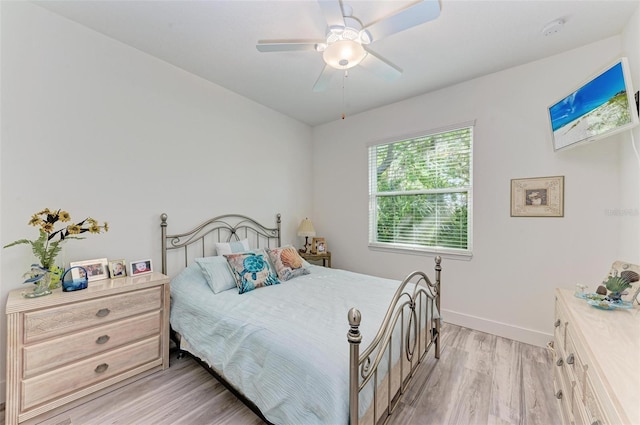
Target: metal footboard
column 409, row 329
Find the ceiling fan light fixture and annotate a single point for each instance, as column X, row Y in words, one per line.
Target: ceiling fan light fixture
column 344, row 54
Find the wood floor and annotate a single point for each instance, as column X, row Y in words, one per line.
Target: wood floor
column 479, row 379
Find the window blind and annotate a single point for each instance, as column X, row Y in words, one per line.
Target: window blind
column 420, row 192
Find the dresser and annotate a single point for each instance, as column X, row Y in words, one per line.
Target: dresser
column 596, row 362
column 68, row 347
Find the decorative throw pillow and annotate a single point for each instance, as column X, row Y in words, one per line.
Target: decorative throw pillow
column 225, row 248
column 216, row 272
column 287, row 262
column 251, row 270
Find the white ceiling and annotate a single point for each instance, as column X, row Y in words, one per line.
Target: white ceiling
column 216, row 40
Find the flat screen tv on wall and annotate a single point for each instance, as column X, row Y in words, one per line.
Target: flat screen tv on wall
column 601, row 107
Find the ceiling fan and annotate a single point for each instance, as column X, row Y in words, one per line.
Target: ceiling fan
column 347, row 39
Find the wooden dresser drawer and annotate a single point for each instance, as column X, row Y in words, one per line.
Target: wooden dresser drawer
column 575, row 364
column 59, row 382
column 592, row 405
column 48, row 355
column 562, row 393
column 52, row 322
column 560, row 327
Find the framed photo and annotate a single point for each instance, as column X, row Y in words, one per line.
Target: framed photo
column 96, row 269
column 318, row 246
column 117, row 268
column 537, row 197
column 140, row 267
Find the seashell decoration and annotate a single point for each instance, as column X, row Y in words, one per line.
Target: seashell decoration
column 630, row 276
column 617, row 284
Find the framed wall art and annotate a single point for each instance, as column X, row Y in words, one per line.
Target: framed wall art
column 537, row 197
column 96, row 269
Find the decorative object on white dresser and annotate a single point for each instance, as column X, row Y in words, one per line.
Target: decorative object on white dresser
column 596, row 362
column 631, row 273
column 73, row 346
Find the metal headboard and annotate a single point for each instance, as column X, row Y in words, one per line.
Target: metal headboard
column 224, row 228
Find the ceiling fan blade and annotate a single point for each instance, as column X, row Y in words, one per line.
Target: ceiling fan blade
column 332, row 12
column 380, row 66
column 286, row 45
column 409, row 17
column 324, row 79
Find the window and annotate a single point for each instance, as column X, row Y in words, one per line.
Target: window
column 420, row 192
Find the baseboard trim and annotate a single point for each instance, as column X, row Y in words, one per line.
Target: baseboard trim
column 517, row 333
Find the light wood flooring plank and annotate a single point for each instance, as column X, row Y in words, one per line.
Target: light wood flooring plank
column 479, row 379
column 506, row 404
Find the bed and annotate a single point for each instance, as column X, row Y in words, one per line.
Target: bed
column 281, row 346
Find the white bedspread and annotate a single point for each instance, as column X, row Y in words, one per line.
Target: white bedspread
column 283, row 346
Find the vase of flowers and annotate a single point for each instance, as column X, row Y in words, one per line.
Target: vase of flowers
column 45, row 274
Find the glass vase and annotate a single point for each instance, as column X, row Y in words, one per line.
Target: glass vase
column 41, row 287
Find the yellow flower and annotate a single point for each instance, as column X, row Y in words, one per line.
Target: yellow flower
column 48, row 245
column 64, row 216
column 74, row 229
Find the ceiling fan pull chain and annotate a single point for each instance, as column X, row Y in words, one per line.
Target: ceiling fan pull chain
column 344, row 80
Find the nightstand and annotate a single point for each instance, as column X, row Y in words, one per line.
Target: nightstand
column 325, row 258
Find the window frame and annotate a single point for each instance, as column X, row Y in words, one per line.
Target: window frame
column 373, row 195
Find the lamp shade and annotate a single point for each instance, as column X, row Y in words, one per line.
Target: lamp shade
column 306, row 228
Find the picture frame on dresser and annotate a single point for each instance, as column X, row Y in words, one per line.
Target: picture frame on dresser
column 97, row 269
column 140, row 267
column 117, row 269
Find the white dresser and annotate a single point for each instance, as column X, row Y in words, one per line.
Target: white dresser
column 596, row 362
column 68, row 347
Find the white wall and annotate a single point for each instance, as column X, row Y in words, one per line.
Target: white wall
column 507, row 287
column 629, row 204
column 100, row 129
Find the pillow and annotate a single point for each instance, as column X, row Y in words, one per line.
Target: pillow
column 251, row 270
column 287, row 262
column 188, row 276
column 216, row 271
column 233, row 247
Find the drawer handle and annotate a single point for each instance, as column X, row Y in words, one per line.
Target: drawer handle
column 570, row 359
column 101, row 368
column 559, row 362
column 103, row 339
column 557, row 323
column 103, row 312
column 559, row 394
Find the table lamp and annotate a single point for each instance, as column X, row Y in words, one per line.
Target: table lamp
column 306, row 229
